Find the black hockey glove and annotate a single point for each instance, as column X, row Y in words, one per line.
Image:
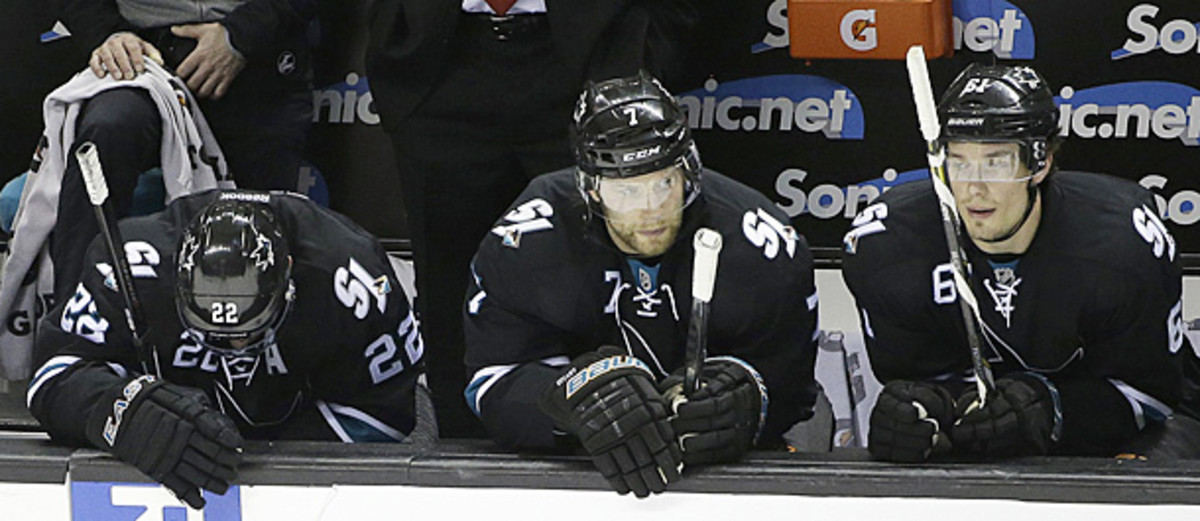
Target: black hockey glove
column 1018, row 419
column 170, row 433
column 910, row 421
column 607, row 399
column 721, row 421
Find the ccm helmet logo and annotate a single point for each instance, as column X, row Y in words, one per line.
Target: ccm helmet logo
column 858, row 29
column 638, row 155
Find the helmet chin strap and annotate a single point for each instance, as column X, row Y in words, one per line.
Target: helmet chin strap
column 1033, row 194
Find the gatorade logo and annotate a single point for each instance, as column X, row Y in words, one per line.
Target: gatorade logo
column 1175, row 37
column 858, row 29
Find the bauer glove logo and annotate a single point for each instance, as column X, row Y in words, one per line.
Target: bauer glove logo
column 601, row 367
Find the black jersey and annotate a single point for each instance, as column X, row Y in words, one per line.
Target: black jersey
column 343, row 365
column 1093, row 304
column 549, row 285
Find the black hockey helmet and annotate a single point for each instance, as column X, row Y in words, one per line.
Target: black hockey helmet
column 233, row 282
column 1002, row 103
column 627, row 127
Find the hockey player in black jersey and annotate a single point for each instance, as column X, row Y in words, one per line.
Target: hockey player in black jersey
column 1077, row 282
column 578, row 311
column 268, row 317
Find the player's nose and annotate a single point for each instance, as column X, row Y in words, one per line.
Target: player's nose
column 977, row 188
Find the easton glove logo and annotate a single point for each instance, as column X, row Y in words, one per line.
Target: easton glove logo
column 131, row 390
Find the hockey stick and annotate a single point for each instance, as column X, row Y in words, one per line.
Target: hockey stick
column 97, row 190
column 918, row 76
column 707, row 244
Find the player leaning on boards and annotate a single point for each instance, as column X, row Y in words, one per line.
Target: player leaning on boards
column 1077, row 283
column 269, row 317
column 578, row 311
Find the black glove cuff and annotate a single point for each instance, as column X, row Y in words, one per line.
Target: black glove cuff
column 763, row 394
column 1042, row 383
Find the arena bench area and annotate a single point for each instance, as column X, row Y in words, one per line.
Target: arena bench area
column 453, row 478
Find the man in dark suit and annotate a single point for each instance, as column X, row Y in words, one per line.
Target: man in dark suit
column 477, row 97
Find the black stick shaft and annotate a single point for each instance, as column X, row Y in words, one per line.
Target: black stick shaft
column 97, row 188
column 697, row 350
column 706, row 244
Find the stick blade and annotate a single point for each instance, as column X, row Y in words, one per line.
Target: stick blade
column 918, row 77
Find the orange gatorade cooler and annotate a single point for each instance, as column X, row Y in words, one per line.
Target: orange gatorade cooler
column 875, row 29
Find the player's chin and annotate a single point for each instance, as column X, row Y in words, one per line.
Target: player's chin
column 652, row 246
column 983, row 233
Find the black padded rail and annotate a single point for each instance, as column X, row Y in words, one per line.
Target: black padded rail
column 849, row 473
column 24, row 460
column 846, row 473
column 13, row 414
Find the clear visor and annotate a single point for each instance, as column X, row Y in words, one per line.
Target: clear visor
column 646, row 192
column 238, row 341
column 1002, row 166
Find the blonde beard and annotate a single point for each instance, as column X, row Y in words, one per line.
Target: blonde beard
column 624, row 235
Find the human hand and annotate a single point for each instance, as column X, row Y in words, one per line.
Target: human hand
column 720, row 421
column 1018, row 419
column 910, row 422
column 122, row 55
column 607, row 399
column 212, row 66
column 172, row 434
